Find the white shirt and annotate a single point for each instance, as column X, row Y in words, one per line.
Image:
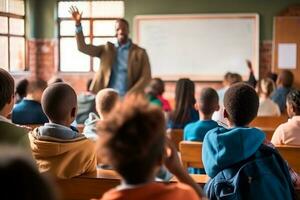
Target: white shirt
column 288, row 133
column 267, row 107
column 4, row 119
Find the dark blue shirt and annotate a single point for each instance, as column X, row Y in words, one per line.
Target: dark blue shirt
column 279, row 97
column 28, row 112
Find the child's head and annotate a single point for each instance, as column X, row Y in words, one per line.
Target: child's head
column 155, row 87
column 55, row 79
column 106, row 100
column 234, row 78
column 286, row 78
column 241, row 104
column 208, row 101
column 7, row 87
column 226, row 79
column 293, row 103
column 36, row 88
column 267, row 86
column 59, row 102
column 21, row 88
column 134, row 139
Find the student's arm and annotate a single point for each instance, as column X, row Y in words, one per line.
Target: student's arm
column 173, row 164
column 88, row 49
column 252, row 80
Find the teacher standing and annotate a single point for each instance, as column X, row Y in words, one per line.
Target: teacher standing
column 124, row 66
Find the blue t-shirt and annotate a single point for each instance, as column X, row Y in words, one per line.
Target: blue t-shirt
column 28, row 112
column 196, row 132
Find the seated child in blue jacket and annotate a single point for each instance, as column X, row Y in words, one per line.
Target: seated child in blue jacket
column 225, row 147
column 207, row 104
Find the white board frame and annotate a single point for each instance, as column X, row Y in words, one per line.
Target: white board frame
column 254, row 16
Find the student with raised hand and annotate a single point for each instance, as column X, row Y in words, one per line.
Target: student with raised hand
column 237, row 159
column 29, row 110
column 288, row 133
column 124, row 66
column 133, row 141
column 285, row 82
column 56, row 147
column 184, row 111
column 267, row 107
column 106, row 100
column 10, row 133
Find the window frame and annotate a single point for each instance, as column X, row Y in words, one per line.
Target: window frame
column 9, row 35
column 91, row 36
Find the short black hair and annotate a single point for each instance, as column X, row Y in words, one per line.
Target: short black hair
column 58, row 100
column 136, row 132
column 287, row 78
column 241, row 104
column 21, row 88
column 124, row 21
column 293, row 98
column 7, row 87
column 208, row 99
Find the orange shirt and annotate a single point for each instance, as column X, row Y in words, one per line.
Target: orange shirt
column 151, row 191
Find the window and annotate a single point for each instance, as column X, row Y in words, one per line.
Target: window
column 98, row 23
column 12, row 35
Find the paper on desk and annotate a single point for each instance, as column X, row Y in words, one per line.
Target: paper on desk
column 287, row 56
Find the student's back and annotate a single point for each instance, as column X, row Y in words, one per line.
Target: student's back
column 228, row 154
column 29, row 109
column 285, row 82
column 184, row 111
column 56, row 147
column 207, row 104
column 9, row 133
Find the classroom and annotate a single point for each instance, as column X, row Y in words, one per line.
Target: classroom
column 140, row 99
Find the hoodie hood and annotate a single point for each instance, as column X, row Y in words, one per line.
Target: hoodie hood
column 46, row 146
column 224, row 147
column 57, row 131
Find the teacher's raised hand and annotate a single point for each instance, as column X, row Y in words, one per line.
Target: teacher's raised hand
column 76, row 15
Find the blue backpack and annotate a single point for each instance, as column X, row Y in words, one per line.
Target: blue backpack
column 264, row 175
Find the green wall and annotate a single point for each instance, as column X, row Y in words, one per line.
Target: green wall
column 42, row 14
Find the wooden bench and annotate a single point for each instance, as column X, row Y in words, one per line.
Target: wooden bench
column 191, row 154
column 291, row 154
column 96, row 184
column 176, row 136
column 269, row 132
column 268, row 122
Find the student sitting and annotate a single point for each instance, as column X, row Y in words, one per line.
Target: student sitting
column 10, row 133
column 106, row 100
column 207, row 105
column 237, row 155
column 21, row 90
column 267, row 107
column 56, row 147
column 134, row 144
column 29, row 110
column 152, row 92
column 184, row 111
column 160, row 85
column 284, row 82
column 288, row 133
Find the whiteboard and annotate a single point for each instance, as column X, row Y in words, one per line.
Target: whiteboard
column 201, row 47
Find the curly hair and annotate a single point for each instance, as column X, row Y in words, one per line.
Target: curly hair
column 135, row 132
column 241, row 104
